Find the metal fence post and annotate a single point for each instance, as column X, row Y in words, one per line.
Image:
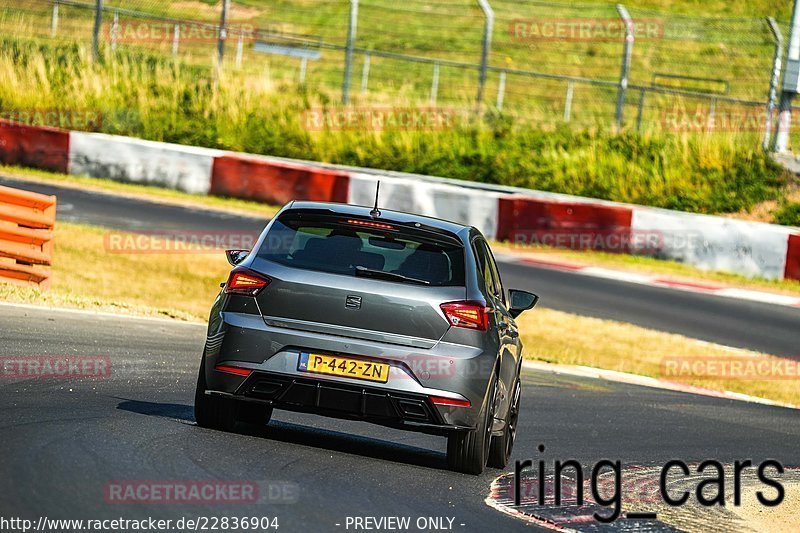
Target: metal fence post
column 240, row 49
column 627, row 52
column 176, row 37
column 348, row 56
column 501, row 90
column 98, row 22
column 303, row 66
column 114, row 30
column 777, row 58
column 365, row 74
column 568, row 101
column 435, row 84
column 488, row 14
column 54, row 20
column 223, row 32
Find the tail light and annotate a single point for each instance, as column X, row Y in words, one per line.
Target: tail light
column 238, row 371
column 467, row 314
column 451, row 402
column 370, row 224
column 245, row 282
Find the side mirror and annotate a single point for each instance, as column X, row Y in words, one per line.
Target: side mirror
column 520, row 301
column 236, row 256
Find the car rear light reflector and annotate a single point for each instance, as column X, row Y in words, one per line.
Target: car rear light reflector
column 246, row 282
column 453, row 402
column 467, row 314
column 368, row 224
column 233, row 370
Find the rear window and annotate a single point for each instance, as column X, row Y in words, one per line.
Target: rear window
column 364, row 247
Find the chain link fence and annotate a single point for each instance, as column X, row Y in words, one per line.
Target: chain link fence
column 546, row 63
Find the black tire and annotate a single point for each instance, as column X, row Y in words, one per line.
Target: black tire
column 468, row 451
column 502, row 445
column 215, row 412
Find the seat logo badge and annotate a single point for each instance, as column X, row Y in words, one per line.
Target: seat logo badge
column 353, row 302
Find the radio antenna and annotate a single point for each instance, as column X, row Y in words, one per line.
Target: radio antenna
column 375, row 213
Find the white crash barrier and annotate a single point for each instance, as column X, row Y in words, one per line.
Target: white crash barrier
column 459, row 204
column 174, row 166
column 715, row 243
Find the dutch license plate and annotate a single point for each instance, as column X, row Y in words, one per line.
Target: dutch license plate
column 343, row 366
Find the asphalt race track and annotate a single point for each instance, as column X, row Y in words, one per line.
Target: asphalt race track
column 64, row 441
column 769, row 328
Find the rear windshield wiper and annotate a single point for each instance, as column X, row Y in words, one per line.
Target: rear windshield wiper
column 371, row 273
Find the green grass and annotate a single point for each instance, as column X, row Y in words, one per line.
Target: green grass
column 788, row 214
column 152, row 97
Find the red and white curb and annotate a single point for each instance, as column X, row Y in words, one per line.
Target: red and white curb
column 502, row 213
column 655, row 281
column 645, row 381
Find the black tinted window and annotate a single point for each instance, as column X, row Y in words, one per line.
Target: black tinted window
column 488, row 269
column 340, row 245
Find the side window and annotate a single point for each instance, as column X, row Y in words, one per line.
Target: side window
column 488, row 269
column 495, row 274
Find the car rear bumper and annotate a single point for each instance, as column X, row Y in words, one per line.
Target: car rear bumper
column 447, row 370
column 370, row 404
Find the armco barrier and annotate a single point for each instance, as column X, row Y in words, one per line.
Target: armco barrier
column 717, row 243
column 274, row 181
column 575, row 224
column 174, row 166
column 792, row 270
column 464, row 206
column 26, row 236
column 34, row 146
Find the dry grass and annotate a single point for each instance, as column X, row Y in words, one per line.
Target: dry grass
column 558, row 337
column 86, row 276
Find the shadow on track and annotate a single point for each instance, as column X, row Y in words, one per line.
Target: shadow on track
column 163, row 410
column 305, row 436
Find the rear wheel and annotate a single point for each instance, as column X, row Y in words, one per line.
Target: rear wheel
column 219, row 413
column 502, row 445
column 467, row 451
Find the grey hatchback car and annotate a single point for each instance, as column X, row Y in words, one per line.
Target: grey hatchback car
column 381, row 316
